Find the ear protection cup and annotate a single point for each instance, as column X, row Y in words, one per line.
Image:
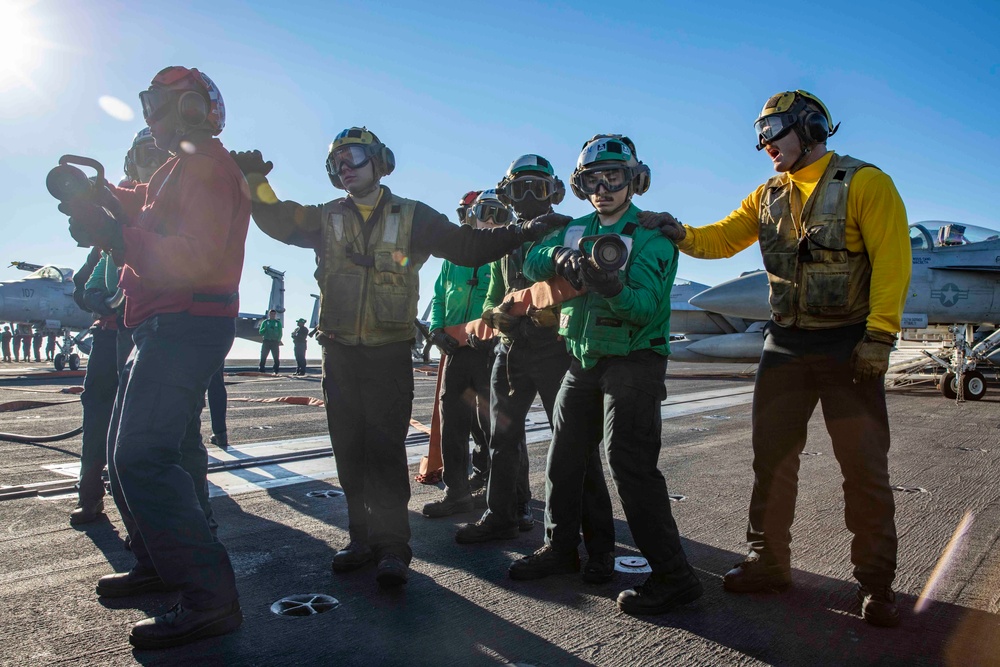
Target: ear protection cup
column 192, row 108
column 558, row 192
column 387, row 160
column 640, row 182
column 815, row 127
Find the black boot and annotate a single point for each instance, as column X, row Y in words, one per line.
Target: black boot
column 661, row 593
column 133, row 582
column 600, row 568
column 484, row 530
column 878, row 606
column 351, row 557
column 86, row 512
column 757, row 574
column 543, row 563
column 181, row 625
column 448, row 505
column 525, row 519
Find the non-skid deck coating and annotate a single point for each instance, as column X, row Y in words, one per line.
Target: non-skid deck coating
column 461, row 609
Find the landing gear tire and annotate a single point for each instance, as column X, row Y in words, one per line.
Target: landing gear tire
column 60, row 361
column 74, row 362
column 974, row 386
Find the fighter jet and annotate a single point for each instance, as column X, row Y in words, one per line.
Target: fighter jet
column 45, row 299
column 955, row 282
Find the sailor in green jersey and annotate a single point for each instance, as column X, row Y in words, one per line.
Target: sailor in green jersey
column 617, row 333
column 270, row 331
column 459, row 293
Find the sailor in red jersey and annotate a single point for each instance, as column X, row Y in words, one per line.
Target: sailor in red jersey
column 181, row 252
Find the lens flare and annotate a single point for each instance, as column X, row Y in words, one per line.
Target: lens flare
column 115, row 108
column 944, row 563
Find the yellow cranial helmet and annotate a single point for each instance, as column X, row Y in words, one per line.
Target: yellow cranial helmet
column 798, row 110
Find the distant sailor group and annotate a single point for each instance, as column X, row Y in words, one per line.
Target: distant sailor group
column 833, row 236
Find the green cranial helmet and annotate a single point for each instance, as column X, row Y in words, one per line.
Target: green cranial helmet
column 609, row 160
column 531, row 176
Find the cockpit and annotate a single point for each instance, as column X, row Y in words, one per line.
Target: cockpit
column 51, row 273
column 943, row 234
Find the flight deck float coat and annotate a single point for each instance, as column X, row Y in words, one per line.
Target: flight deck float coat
column 184, row 247
column 368, row 285
column 638, row 317
column 816, row 282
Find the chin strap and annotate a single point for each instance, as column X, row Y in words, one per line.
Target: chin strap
column 806, row 150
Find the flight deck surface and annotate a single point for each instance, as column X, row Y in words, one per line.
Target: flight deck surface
column 281, row 528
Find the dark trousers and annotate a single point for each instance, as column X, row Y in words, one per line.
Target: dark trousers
column 37, row 346
column 369, row 399
column 300, row 359
column 100, row 385
column 218, row 400
column 465, row 406
column 617, row 400
column 26, row 348
column 799, row 368
column 6, row 350
column 269, row 347
column 520, row 370
column 159, row 477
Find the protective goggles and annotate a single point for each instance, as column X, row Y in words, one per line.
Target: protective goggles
column 485, row 210
column 521, row 188
column 147, row 155
column 612, row 178
column 155, row 103
column 773, row 127
column 353, row 155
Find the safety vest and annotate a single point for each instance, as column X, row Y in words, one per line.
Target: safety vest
column 816, row 283
column 369, row 284
column 591, row 329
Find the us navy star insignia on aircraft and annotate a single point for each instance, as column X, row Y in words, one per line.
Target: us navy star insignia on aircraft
column 949, row 294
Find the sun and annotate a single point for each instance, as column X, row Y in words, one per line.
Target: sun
column 20, row 46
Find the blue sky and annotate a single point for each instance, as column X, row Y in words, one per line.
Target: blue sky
column 458, row 90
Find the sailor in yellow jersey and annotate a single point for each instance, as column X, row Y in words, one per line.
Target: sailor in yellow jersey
column 834, row 239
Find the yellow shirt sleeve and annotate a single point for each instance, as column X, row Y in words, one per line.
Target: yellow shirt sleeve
column 877, row 224
column 736, row 232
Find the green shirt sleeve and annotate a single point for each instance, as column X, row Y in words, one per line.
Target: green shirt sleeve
column 497, row 290
column 437, row 301
column 98, row 279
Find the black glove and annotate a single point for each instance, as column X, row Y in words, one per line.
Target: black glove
column 605, row 283
column 538, row 228
column 91, row 225
column 567, row 262
column 443, row 341
column 252, row 162
column 480, row 344
column 94, row 301
column 667, row 224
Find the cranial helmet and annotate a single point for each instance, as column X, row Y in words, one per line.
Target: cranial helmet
column 608, row 153
column 794, row 110
column 465, row 203
column 531, row 176
column 488, row 205
column 356, row 146
column 143, row 153
column 196, row 98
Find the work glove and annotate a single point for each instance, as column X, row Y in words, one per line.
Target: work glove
column 443, row 341
column 480, row 344
column 870, row 358
column 544, row 318
column 252, row 162
column 665, row 223
column 538, row 228
column 567, row 263
column 91, row 225
column 605, row 283
column 499, row 319
column 94, row 301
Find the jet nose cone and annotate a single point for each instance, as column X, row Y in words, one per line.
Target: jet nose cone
column 745, row 297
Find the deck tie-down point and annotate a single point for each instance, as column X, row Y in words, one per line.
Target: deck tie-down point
column 304, row 605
